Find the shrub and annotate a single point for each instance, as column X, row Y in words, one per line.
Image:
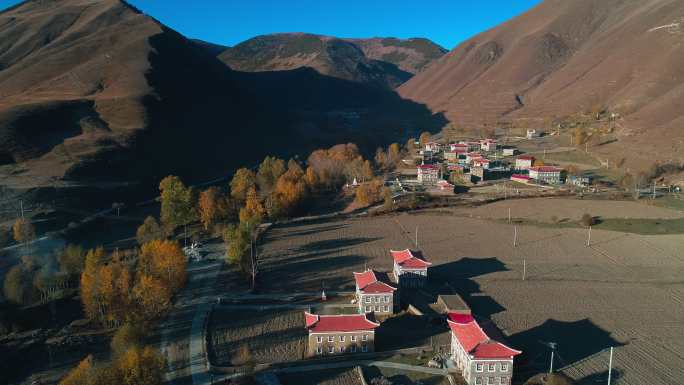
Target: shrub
column 587, row 220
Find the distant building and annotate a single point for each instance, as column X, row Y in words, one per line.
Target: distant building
column 373, row 296
column 524, row 162
column 481, row 360
column 433, row 146
column 473, row 145
column 581, row 181
column 428, row 174
column 410, row 270
column 509, row 151
column 532, row 133
column 482, row 162
column 477, row 174
column 445, row 186
column 472, row 156
column 339, row 334
column 452, row 156
column 546, row 174
column 461, row 147
column 488, row 145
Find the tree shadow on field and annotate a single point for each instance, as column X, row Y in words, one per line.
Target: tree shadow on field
column 601, row 378
column 333, row 244
column 310, row 231
column 576, row 341
column 311, row 274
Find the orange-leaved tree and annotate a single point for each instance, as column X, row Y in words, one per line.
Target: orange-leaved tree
column 165, row 261
column 243, row 180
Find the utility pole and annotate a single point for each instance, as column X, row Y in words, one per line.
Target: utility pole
column 610, row 365
column 551, row 365
column 654, row 190
column 524, row 269
column 589, row 237
column 21, row 204
column 509, row 215
column 416, row 237
column 515, row 236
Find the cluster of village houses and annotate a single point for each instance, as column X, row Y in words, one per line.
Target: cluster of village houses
column 479, row 358
column 482, row 160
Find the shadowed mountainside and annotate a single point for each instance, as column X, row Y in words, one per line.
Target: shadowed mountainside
column 568, row 57
column 381, row 62
column 98, row 91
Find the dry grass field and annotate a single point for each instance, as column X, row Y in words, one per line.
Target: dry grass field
column 624, row 290
column 270, row 336
column 347, row 376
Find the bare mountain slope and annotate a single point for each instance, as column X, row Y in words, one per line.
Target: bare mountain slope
column 567, row 57
column 383, row 62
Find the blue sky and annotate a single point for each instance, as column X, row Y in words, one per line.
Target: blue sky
column 229, row 22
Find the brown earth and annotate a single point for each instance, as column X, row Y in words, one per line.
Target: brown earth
column 566, row 58
column 98, row 92
column 624, row 290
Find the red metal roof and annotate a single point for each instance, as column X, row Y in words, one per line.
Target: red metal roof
column 428, row 167
column 493, row 349
column 474, row 340
column 407, row 260
column 526, row 157
column 368, row 283
column 338, row 323
column 545, row 169
column 520, row 176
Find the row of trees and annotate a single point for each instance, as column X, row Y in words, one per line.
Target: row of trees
column 115, row 289
column 131, row 364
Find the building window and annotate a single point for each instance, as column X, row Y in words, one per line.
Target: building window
column 331, row 349
column 375, row 307
column 364, row 348
column 368, row 299
column 504, row 367
column 364, row 337
column 491, row 367
column 353, row 338
column 387, row 299
column 331, row 338
column 342, row 349
column 319, row 350
column 341, row 338
column 490, row 380
column 353, row 348
column 504, row 380
column 386, row 308
column 319, row 339
column 377, row 299
column 478, row 367
column 368, row 309
column 478, row 380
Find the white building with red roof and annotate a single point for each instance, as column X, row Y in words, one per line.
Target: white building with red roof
column 428, row 174
column 546, row 174
column 488, row 145
column 373, row 296
column 524, row 162
column 339, row 334
column 480, row 359
column 410, row 268
column 433, row 146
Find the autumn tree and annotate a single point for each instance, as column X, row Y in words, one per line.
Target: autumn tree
column 330, row 165
column 23, row 231
column 88, row 373
column 311, row 178
column 72, row 259
column 579, row 136
column 243, row 180
column 388, row 201
column 91, row 291
column 140, row 366
column 587, row 220
column 126, row 337
column 177, row 202
column 269, row 171
column 150, row 230
column 241, row 250
column 212, row 206
column 4, row 236
column 367, row 171
column 393, row 154
column 17, row 285
column 424, row 139
column 151, row 296
column 369, row 193
column 254, row 211
column 291, row 190
column 165, row 261
column 411, row 145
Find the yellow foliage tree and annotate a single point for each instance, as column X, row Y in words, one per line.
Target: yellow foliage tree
column 140, row 366
column 253, row 212
column 210, row 207
column 369, row 193
column 152, row 296
column 23, row 231
column 165, row 261
column 243, row 180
